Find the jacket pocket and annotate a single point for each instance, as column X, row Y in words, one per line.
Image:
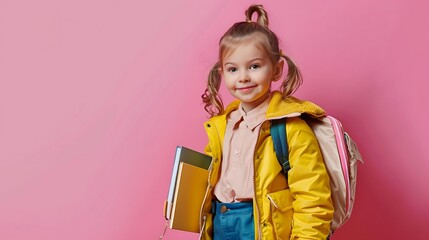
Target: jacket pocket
column 281, row 212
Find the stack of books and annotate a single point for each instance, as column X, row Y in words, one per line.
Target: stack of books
column 189, row 181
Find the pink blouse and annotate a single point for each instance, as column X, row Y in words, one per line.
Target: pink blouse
column 242, row 131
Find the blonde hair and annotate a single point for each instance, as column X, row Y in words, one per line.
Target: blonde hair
column 238, row 33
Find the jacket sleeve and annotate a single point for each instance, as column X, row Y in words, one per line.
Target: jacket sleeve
column 308, row 183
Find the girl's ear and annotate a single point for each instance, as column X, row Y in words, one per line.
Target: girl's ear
column 278, row 69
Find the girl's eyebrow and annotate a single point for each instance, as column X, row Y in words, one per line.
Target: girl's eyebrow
column 252, row 60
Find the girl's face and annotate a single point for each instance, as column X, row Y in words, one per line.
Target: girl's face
column 248, row 72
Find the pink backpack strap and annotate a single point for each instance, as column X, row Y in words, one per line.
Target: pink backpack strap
column 342, row 151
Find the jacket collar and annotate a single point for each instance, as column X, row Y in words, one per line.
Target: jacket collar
column 291, row 106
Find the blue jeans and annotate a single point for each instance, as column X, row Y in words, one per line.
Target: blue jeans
column 233, row 221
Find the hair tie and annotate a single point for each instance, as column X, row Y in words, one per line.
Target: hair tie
column 281, row 53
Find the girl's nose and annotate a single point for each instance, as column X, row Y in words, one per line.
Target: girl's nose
column 244, row 76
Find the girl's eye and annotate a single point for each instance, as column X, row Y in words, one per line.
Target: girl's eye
column 232, row 69
column 254, row 66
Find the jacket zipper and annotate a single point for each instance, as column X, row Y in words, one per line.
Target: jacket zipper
column 204, row 217
column 202, row 227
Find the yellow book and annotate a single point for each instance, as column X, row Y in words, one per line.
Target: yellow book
column 191, row 187
column 188, row 185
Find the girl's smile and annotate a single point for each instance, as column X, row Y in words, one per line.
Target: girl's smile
column 247, row 89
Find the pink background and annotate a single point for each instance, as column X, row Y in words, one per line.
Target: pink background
column 96, row 94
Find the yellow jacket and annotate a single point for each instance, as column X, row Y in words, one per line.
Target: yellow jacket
column 298, row 209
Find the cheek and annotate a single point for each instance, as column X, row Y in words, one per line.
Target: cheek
column 229, row 82
column 264, row 77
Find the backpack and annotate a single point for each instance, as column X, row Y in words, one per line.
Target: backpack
column 340, row 155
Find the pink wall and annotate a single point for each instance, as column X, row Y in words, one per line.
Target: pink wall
column 95, row 95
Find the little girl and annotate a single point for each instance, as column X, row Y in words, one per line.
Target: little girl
column 248, row 196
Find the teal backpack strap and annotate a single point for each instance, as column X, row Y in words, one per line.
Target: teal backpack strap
column 278, row 134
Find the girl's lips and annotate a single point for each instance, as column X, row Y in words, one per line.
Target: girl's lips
column 246, row 88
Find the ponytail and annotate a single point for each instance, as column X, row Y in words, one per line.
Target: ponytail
column 212, row 102
column 262, row 18
column 293, row 79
